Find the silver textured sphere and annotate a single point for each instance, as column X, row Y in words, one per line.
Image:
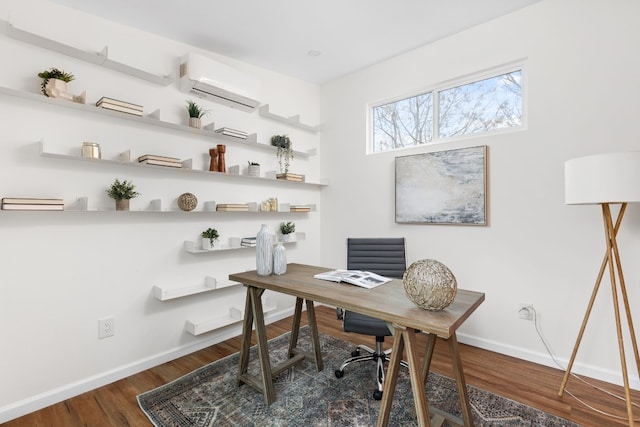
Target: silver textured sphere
column 430, row 284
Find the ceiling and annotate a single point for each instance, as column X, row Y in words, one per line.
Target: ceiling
column 315, row 41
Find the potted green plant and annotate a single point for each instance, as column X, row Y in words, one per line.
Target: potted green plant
column 54, row 83
column 284, row 152
column 122, row 192
column 254, row 169
column 287, row 228
column 210, row 239
column 196, row 113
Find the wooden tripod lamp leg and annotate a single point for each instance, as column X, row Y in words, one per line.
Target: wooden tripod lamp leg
column 596, row 287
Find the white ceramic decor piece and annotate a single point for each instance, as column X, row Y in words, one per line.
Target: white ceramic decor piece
column 279, row 259
column 264, row 251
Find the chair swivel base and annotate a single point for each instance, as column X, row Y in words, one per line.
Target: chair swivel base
column 377, row 355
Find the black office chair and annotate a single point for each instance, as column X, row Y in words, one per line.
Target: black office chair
column 386, row 257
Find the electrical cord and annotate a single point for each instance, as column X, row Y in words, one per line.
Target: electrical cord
column 550, row 352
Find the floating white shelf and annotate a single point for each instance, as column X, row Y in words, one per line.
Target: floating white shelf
column 210, row 284
column 98, row 58
column 292, row 120
column 235, row 315
column 233, row 245
column 151, row 120
column 186, row 170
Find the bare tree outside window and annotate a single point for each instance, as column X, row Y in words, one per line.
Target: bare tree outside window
column 480, row 106
column 403, row 123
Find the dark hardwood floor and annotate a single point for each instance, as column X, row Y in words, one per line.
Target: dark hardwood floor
column 525, row 382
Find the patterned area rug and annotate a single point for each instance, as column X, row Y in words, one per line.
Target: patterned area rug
column 210, row 396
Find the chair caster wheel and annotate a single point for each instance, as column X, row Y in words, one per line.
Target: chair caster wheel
column 377, row 395
column 339, row 373
column 355, row 353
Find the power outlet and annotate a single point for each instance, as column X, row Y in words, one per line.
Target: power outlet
column 106, row 327
column 525, row 311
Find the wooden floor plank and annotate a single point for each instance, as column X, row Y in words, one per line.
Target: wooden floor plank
column 529, row 383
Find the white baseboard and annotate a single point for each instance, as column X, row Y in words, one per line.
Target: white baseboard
column 581, row 369
column 67, row 391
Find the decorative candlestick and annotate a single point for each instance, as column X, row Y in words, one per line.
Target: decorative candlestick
column 222, row 167
column 213, row 165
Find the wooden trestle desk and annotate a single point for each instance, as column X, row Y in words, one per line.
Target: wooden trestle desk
column 387, row 302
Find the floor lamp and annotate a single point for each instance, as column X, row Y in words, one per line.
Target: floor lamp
column 607, row 179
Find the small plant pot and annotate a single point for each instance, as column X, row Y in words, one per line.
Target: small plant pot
column 57, row 88
column 254, row 170
column 195, row 122
column 288, row 237
column 208, row 246
column 122, row 205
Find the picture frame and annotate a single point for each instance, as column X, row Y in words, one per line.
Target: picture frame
column 442, row 187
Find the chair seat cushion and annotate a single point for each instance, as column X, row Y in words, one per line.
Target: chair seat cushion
column 366, row 325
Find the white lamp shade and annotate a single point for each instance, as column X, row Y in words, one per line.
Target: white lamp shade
column 603, row 178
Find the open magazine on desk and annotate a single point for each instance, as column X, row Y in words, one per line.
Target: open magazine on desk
column 365, row 279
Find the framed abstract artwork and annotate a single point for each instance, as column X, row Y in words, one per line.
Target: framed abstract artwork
column 443, row 187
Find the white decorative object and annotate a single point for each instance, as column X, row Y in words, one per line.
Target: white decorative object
column 264, row 251
column 430, row 284
column 56, row 88
column 195, row 122
column 208, row 244
column 279, row 259
column 254, row 170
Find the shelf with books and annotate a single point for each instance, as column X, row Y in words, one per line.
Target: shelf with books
column 291, row 121
column 153, row 119
column 164, row 293
column 235, row 315
column 123, row 159
column 98, row 58
column 233, row 244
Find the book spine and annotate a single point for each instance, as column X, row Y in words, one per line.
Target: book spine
column 120, row 109
column 112, row 101
column 9, row 200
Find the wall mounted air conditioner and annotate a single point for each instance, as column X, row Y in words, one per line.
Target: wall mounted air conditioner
column 218, row 82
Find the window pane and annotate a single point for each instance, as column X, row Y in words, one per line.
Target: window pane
column 403, row 123
column 485, row 105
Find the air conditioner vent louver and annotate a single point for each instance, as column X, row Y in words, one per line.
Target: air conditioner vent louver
column 218, row 82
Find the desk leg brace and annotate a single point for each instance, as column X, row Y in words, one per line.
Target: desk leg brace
column 313, row 328
column 253, row 311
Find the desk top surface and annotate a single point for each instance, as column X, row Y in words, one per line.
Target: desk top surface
column 387, row 302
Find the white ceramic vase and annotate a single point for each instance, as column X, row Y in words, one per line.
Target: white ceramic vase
column 254, row 170
column 195, row 122
column 207, row 245
column 279, row 259
column 264, row 251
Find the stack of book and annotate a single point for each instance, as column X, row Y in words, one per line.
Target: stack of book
column 25, row 204
column 151, row 159
column 122, row 106
column 248, row 241
column 232, row 132
column 290, row 177
column 299, row 208
column 232, row 207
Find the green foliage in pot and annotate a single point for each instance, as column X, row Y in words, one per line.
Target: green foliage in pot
column 283, row 151
column 287, row 227
column 54, row 73
column 195, row 111
column 122, row 190
column 211, row 234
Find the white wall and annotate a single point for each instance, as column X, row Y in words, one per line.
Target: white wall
column 64, row 271
column 583, row 96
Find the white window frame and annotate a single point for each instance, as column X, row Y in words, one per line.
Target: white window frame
column 519, row 65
